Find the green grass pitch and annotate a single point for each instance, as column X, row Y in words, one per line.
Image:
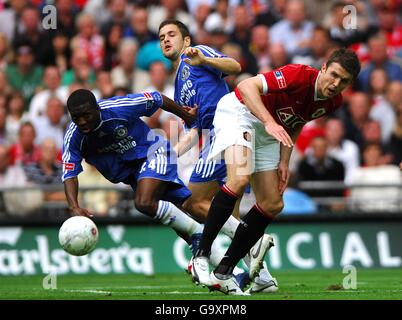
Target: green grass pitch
column 378, row 284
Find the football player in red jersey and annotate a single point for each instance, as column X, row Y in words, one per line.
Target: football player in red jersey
column 253, row 126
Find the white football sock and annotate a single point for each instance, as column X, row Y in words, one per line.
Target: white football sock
column 168, row 214
column 230, row 226
column 216, row 256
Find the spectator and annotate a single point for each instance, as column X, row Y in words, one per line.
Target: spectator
column 241, row 35
column 89, row 40
column 52, row 82
column 31, row 32
column 104, row 86
column 60, row 51
column 5, row 89
column 372, row 135
column 358, row 114
column 167, row 9
column 260, row 47
column 138, row 27
column 52, row 123
column 20, row 202
column 221, row 16
column 318, row 165
column 10, row 18
column 375, row 174
column 341, row 149
column 200, row 16
column 16, row 116
column 24, row 76
column 390, row 25
column 295, row 31
column 159, row 82
column 81, row 70
column 113, row 38
column 317, row 9
column 381, row 109
column 214, row 35
column 377, row 45
column 66, row 16
column 25, row 151
column 394, row 93
column 318, row 51
column 278, row 56
column 234, row 50
column 119, row 13
column 47, row 171
column 125, row 74
column 3, row 132
column 5, row 51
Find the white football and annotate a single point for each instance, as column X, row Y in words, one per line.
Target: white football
column 78, row 235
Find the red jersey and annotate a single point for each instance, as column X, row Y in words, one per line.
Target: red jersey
column 290, row 96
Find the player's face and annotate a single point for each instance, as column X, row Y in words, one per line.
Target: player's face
column 333, row 80
column 172, row 42
column 86, row 119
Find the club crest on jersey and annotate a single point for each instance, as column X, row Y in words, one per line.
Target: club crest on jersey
column 120, row 132
column 185, row 73
column 280, row 79
column 289, row 118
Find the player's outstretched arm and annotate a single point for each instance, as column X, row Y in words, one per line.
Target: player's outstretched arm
column 71, row 191
column 251, row 90
column 186, row 142
column 225, row 64
column 172, row 107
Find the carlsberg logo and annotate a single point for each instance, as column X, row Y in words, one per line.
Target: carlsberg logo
column 122, row 259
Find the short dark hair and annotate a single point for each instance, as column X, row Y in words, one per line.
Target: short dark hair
column 81, row 98
column 182, row 27
column 347, row 59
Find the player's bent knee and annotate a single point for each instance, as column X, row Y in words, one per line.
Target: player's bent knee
column 274, row 207
column 197, row 207
column 239, row 184
column 146, row 206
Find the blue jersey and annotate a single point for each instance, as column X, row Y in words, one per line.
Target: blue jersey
column 120, row 141
column 200, row 85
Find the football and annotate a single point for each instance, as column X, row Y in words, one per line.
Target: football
column 78, row 235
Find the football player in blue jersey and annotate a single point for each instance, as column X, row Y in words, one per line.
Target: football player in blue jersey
column 110, row 135
column 200, row 73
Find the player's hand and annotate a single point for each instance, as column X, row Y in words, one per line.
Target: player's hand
column 195, row 56
column 284, row 175
column 279, row 133
column 192, row 113
column 76, row 211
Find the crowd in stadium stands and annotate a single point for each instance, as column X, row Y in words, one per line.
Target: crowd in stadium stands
column 112, row 48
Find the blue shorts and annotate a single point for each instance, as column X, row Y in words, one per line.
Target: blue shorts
column 206, row 171
column 160, row 167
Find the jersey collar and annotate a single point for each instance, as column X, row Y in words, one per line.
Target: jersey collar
column 315, row 89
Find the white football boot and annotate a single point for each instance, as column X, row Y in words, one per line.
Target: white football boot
column 264, row 282
column 200, row 271
column 257, row 254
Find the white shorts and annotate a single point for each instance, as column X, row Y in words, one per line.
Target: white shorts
column 235, row 125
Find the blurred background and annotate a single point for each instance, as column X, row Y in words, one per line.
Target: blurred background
column 345, row 176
